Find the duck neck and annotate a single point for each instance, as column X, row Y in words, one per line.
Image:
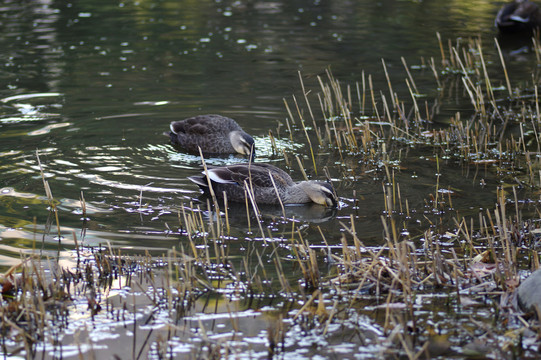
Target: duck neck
column 235, row 140
column 295, row 194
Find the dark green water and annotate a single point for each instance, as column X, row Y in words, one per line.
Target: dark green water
column 93, row 86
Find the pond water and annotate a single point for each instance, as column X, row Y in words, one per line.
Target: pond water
column 91, row 86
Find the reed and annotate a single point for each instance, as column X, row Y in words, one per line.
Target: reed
column 509, row 89
column 52, row 202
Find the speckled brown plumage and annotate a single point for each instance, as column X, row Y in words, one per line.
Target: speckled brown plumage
column 214, row 134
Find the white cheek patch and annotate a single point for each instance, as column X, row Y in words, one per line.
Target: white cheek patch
column 214, row 176
column 244, row 149
column 318, row 198
column 236, row 141
column 330, row 193
column 519, row 19
column 325, row 190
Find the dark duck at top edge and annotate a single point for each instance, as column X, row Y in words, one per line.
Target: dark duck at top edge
column 518, row 17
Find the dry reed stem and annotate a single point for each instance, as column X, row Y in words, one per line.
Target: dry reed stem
column 509, row 89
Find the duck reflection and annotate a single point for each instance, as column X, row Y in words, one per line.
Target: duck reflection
column 238, row 212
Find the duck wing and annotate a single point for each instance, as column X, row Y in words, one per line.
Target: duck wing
column 503, row 18
column 525, row 12
column 258, row 174
column 204, row 125
column 196, row 125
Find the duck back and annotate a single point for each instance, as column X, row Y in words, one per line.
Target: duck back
column 210, row 133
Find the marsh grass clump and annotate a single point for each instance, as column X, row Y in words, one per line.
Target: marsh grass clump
column 466, row 267
column 469, row 261
column 30, row 303
column 39, row 298
column 376, row 127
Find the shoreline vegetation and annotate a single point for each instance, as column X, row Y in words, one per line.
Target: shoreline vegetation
column 448, row 289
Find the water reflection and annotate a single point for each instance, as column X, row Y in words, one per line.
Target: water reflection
column 240, row 215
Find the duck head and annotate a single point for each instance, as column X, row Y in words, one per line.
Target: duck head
column 243, row 143
column 321, row 193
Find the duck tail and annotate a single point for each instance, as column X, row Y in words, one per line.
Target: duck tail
column 172, row 136
column 199, row 180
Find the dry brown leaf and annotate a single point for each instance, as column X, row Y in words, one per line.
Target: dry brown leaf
column 481, row 269
column 482, row 257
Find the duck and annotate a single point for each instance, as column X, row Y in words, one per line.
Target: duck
column 270, row 184
column 213, row 134
column 519, row 16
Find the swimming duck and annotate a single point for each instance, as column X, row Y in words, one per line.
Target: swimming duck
column 214, row 134
column 518, row 16
column 269, row 184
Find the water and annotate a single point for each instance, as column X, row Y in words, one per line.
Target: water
column 91, row 86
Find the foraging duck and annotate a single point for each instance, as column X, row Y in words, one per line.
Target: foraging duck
column 518, row 16
column 214, row 134
column 269, row 184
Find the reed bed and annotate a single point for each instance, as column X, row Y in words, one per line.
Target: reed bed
column 468, row 259
column 381, row 121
